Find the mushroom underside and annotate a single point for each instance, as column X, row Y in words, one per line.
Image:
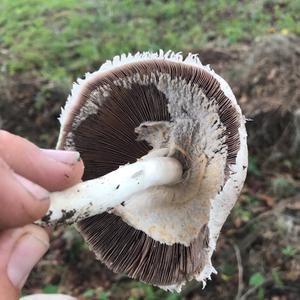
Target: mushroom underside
column 162, row 235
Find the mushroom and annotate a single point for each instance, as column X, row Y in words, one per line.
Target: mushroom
column 180, row 121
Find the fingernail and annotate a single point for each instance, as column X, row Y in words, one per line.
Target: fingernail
column 66, row 157
column 35, row 190
column 27, row 252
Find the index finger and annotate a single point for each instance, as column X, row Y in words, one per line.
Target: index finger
column 54, row 170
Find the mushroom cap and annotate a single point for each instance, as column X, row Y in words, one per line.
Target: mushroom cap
column 144, row 104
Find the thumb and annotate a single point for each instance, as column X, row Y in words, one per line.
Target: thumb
column 20, row 250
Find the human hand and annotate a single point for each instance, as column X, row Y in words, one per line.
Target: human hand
column 27, row 175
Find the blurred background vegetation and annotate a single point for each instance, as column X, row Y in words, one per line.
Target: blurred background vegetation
column 63, row 39
column 255, row 45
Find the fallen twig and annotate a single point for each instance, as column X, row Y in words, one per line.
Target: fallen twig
column 240, row 270
column 253, row 290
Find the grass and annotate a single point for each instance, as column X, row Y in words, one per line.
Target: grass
column 64, row 39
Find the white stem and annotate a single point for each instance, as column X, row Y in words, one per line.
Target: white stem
column 95, row 196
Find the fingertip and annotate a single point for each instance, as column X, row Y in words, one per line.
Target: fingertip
column 71, row 175
column 66, row 168
column 78, row 171
column 63, row 156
